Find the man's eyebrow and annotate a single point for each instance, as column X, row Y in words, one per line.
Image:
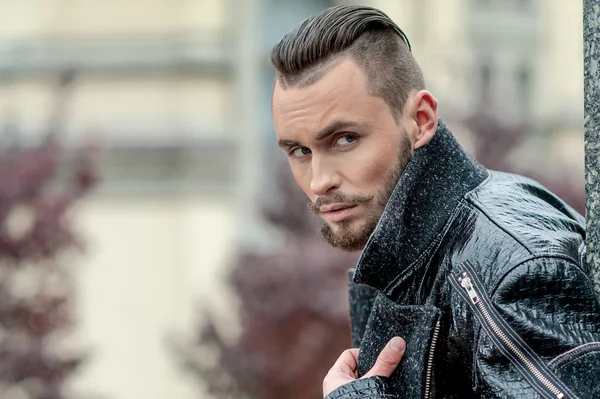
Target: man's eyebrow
column 288, row 143
column 327, row 131
column 334, row 127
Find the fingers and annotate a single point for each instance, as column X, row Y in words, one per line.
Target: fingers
column 347, row 363
column 388, row 359
column 342, row 371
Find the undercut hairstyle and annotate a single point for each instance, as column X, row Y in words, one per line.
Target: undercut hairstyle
column 367, row 35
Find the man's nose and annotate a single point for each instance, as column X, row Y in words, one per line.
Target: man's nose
column 324, row 178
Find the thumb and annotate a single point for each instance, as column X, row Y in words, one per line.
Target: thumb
column 388, row 359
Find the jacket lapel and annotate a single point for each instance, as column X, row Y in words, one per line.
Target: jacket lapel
column 433, row 183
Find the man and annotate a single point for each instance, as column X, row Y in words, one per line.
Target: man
column 475, row 279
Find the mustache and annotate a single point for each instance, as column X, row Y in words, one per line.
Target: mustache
column 338, row 198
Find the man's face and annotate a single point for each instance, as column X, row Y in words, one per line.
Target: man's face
column 345, row 149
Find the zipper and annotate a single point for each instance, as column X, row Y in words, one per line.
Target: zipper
column 574, row 352
column 467, row 284
column 508, row 340
column 429, row 370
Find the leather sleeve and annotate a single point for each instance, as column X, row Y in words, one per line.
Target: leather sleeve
column 552, row 304
column 367, row 388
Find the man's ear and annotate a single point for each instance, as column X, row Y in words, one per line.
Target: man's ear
column 425, row 117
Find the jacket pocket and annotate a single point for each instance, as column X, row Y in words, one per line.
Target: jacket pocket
column 419, row 326
column 579, row 368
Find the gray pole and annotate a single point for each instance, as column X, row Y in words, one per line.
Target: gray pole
column 591, row 88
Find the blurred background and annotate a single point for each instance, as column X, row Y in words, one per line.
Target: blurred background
column 152, row 243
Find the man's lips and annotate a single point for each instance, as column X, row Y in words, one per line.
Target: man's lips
column 334, row 207
column 335, row 213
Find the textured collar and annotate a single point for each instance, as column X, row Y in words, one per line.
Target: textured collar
column 434, row 181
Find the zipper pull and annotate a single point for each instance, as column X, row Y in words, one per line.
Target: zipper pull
column 466, row 283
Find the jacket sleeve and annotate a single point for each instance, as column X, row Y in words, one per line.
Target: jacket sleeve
column 367, row 388
column 551, row 303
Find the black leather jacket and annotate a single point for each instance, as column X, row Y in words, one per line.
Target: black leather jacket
column 523, row 250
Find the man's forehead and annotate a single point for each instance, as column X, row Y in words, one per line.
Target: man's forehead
column 300, row 114
column 292, row 95
column 312, row 74
column 343, row 73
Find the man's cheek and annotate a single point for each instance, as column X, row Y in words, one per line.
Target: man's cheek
column 303, row 181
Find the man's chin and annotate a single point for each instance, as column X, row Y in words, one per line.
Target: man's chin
column 343, row 237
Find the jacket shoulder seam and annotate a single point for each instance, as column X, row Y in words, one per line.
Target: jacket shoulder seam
column 504, row 229
column 532, row 259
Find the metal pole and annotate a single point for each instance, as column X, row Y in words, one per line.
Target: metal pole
column 591, row 78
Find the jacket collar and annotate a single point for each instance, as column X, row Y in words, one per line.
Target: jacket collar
column 434, row 181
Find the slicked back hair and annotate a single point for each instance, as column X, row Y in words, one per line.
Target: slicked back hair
column 365, row 34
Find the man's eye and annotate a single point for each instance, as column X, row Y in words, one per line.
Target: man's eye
column 346, row 139
column 300, row 152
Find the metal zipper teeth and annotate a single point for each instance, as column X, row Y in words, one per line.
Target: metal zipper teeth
column 534, row 370
column 574, row 352
column 429, row 373
column 467, row 284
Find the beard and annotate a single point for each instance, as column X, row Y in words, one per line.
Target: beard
column 354, row 235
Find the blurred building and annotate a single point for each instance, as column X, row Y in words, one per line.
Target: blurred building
column 156, row 86
column 178, row 94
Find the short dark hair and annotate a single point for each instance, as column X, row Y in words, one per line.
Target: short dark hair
column 367, row 35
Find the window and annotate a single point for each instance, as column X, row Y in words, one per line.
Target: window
column 524, row 4
column 523, row 89
column 180, row 168
column 485, row 82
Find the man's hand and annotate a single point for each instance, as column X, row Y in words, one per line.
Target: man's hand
column 344, row 369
